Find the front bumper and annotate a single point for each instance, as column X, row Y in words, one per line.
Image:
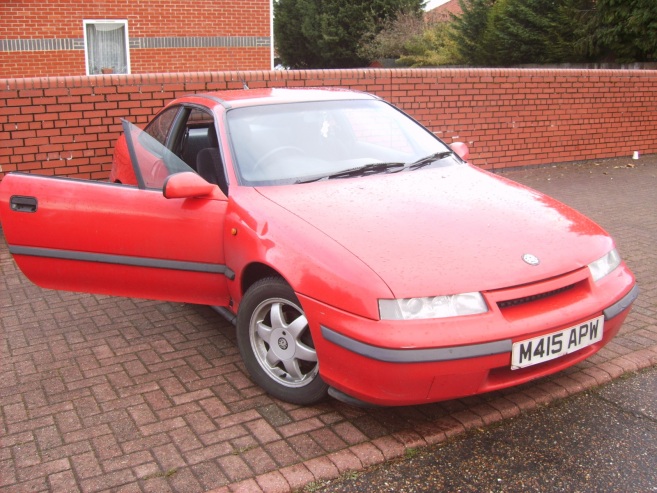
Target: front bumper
column 414, row 362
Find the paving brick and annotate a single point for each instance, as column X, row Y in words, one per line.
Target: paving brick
column 322, row 468
column 258, row 460
column 247, row 486
column 214, row 408
column 601, row 377
column 487, row 413
column 48, row 438
column 224, row 434
column 468, row 419
column 162, row 426
column 273, row 482
column 209, row 475
column 235, row 468
column 328, row 439
column 200, row 422
column 185, row 439
column 135, row 459
column 43, row 469
column 106, row 447
column 26, row 455
column 410, row 439
column 349, row 433
column 208, row 453
column 263, row 431
column 8, row 473
column 539, row 395
column 282, row 453
column 345, row 461
column 86, row 465
column 306, row 447
column 507, row 408
column 297, row 476
column 63, row 481
column 108, row 481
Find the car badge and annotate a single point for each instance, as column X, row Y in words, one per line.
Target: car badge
column 531, row 259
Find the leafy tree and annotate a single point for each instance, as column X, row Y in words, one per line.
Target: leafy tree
column 328, row 33
column 533, row 32
column 514, row 32
column 434, row 47
column 394, row 38
column 349, row 33
column 469, row 30
column 622, row 31
column 294, row 23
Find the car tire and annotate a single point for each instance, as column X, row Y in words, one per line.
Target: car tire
column 276, row 344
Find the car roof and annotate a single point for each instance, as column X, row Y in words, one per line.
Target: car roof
column 251, row 97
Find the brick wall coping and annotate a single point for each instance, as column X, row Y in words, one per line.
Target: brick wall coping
column 592, row 75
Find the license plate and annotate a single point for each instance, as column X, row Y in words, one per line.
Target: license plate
column 550, row 346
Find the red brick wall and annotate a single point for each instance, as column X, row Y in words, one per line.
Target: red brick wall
column 147, row 18
column 67, row 126
column 205, row 59
column 36, row 63
column 63, row 19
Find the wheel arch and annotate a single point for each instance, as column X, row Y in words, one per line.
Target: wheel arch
column 255, row 271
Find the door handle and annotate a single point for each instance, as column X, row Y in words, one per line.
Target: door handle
column 20, row 203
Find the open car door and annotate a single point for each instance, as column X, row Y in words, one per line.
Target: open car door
column 98, row 237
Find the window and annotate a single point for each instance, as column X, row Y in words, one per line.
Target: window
column 106, row 47
column 160, row 127
column 151, row 161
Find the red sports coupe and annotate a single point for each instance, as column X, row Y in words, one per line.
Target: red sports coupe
column 357, row 254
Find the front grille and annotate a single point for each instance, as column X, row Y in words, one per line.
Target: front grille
column 535, row 297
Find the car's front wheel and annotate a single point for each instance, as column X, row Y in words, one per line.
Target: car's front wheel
column 276, row 345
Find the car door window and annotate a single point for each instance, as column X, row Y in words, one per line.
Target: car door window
column 151, row 160
column 177, row 140
column 160, row 128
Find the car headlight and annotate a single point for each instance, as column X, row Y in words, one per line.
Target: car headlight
column 432, row 307
column 603, row 266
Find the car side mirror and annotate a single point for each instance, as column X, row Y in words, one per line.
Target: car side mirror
column 186, row 185
column 461, row 149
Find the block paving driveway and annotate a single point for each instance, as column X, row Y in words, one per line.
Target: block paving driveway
column 112, row 394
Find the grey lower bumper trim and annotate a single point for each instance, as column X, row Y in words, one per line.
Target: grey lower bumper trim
column 347, row 399
column 122, row 260
column 623, row 304
column 416, row 355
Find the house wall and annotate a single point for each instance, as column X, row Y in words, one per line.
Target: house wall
column 41, row 39
column 515, row 117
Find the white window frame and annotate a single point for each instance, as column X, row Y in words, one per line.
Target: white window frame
column 123, row 22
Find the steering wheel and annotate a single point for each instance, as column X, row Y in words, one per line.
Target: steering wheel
column 277, row 150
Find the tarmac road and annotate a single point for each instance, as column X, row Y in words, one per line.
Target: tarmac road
column 604, row 440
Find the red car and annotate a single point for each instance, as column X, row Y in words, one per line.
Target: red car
column 357, row 254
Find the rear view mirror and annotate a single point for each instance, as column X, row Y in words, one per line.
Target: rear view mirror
column 186, row 185
column 461, row 149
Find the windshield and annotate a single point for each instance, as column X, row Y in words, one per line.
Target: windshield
column 301, row 142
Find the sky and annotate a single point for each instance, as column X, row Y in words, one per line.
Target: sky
column 434, row 3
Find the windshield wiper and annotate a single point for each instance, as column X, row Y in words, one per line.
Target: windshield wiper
column 368, row 169
column 374, row 168
column 430, row 159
